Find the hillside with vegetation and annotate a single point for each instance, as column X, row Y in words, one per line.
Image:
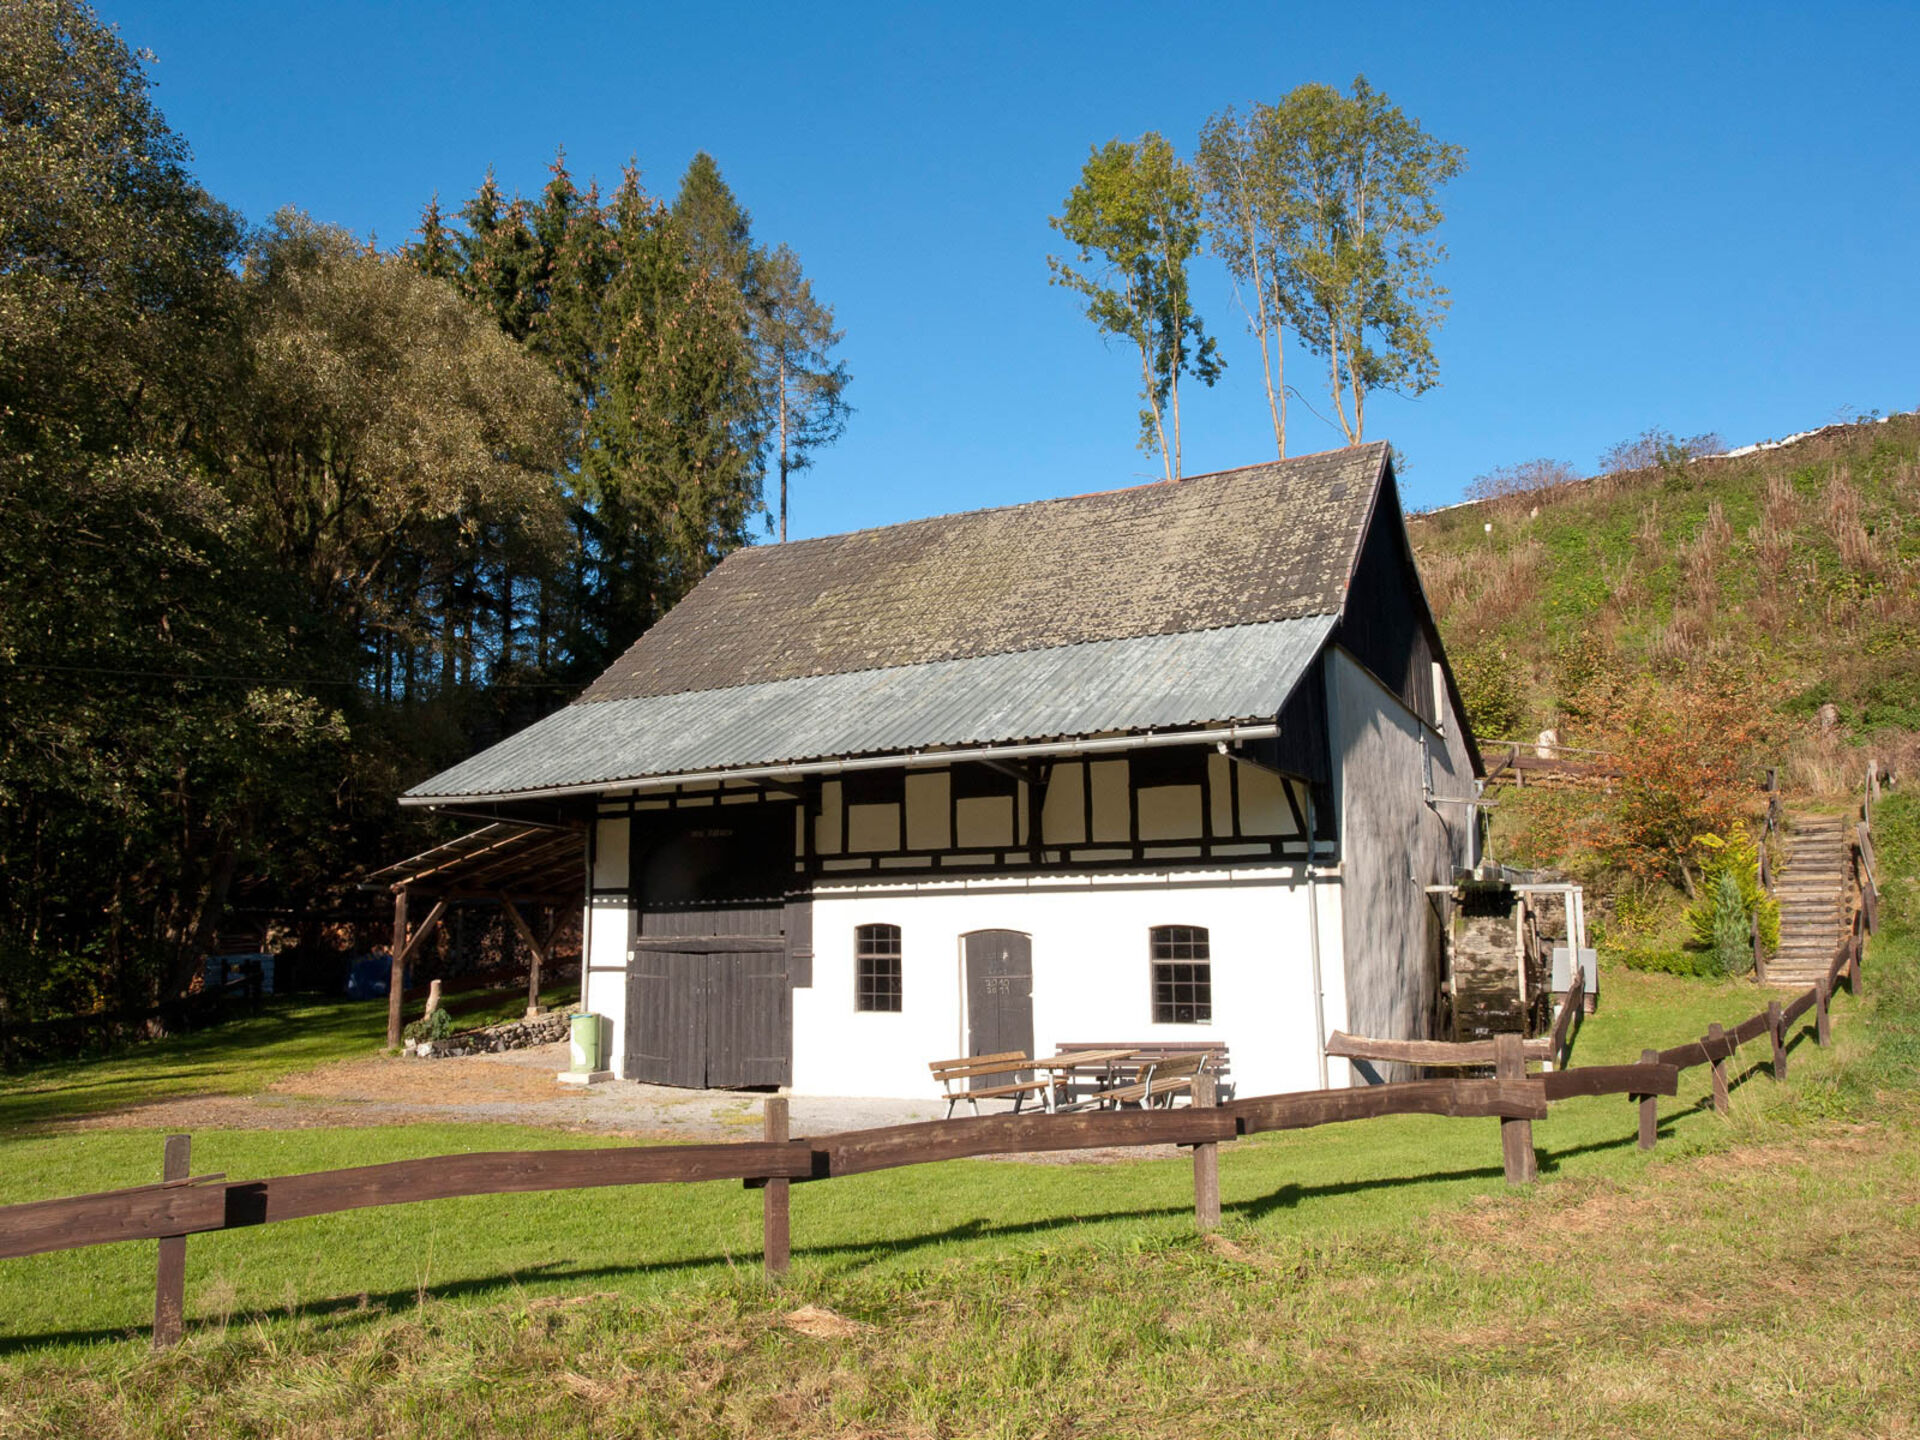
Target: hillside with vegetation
column 1692, row 621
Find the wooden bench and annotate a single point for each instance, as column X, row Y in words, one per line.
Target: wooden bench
column 956, row 1075
column 1146, row 1054
column 1160, row 1080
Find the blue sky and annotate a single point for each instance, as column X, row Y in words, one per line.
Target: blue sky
column 1700, row 218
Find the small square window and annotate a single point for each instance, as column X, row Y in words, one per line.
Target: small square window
column 1182, row 975
column 877, row 968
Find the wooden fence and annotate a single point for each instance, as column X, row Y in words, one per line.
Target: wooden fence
column 184, row 1204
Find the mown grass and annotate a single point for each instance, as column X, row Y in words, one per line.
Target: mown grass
column 1753, row 1276
column 241, row 1057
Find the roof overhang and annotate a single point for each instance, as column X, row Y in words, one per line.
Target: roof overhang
column 1222, row 686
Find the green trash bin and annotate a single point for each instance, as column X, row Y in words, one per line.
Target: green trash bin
column 588, row 1051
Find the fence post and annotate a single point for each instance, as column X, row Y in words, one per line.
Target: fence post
column 170, row 1276
column 1853, row 958
column 1649, row 1107
column 1719, row 1064
column 1821, row 1035
column 1777, row 1028
column 1516, row 1136
column 775, row 1248
column 1206, row 1163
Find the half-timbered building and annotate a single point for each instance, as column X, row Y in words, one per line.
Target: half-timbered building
column 1180, row 762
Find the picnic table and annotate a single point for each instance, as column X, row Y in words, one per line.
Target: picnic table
column 1100, row 1068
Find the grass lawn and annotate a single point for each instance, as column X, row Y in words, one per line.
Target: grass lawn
column 1754, row 1276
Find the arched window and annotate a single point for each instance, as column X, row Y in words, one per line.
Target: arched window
column 876, row 967
column 1182, row 975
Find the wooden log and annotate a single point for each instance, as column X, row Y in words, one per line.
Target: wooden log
column 1799, row 1007
column 1460, row 1098
column 397, row 973
column 1206, row 1163
column 170, row 1275
column 1777, row 1029
column 1570, row 1005
column 1718, row 1050
column 144, row 1212
column 1686, row 1056
column 1751, row 1028
column 511, row 1172
column 1649, row 1077
column 857, row 1152
column 1650, row 1105
column 1428, row 1052
column 1822, row 1034
column 1854, row 951
column 535, row 950
column 776, row 1248
column 1516, row 1135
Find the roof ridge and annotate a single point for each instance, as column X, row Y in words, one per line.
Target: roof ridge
column 788, row 546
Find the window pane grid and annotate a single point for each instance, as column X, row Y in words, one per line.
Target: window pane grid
column 1182, row 975
column 877, row 968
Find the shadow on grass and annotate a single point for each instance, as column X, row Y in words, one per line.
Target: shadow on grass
column 289, row 1033
column 341, row 1312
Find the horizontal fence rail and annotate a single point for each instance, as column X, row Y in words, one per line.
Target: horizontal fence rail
column 184, row 1204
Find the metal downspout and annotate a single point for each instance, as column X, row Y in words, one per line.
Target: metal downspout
column 1313, row 941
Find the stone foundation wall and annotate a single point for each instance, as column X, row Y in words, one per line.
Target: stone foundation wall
column 514, row 1035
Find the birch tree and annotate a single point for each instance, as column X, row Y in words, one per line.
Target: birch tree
column 1135, row 222
column 1254, row 214
column 1363, row 181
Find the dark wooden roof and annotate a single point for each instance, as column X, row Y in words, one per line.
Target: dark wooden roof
column 1240, row 547
column 522, row 862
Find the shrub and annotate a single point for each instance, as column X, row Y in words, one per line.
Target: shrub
column 1732, row 856
column 1489, row 680
column 434, row 1025
column 1732, row 943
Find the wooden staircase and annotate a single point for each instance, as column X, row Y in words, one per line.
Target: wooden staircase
column 1812, row 891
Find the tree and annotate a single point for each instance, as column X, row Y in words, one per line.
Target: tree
column 796, row 341
column 1255, row 216
column 800, row 384
column 1134, row 220
column 1658, row 449
column 1362, row 180
column 376, row 410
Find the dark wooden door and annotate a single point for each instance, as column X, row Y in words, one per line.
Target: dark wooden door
column 667, row 1017
column 999, row 995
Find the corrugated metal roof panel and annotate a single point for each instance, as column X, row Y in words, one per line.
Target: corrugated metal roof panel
column 1156, row 682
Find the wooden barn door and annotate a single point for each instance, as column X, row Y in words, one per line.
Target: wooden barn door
column 708, row 996
column 666, row 1006
column 999, row 995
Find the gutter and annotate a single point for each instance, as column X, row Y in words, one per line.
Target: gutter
column 1217, row 735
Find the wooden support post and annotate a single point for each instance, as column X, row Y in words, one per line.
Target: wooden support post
column 776, row 1249
column 1649, row 1107
column 1853, row 959
column 1206, row 1164
column 396, row 981
column 536, row 951
column 1822, row 1034
column 170, row 1277
column 1516, row 1136
column 1721, row 1105
column 1777, row 1028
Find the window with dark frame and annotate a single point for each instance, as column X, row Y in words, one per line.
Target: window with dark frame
column 876, row 984
column 1182, row 975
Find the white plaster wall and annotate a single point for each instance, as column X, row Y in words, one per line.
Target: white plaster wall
column 1091, row 967
column 608, row 928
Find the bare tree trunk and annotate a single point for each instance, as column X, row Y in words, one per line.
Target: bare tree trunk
column 783, row 449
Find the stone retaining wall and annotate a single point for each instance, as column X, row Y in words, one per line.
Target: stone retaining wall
column 514, row 1035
